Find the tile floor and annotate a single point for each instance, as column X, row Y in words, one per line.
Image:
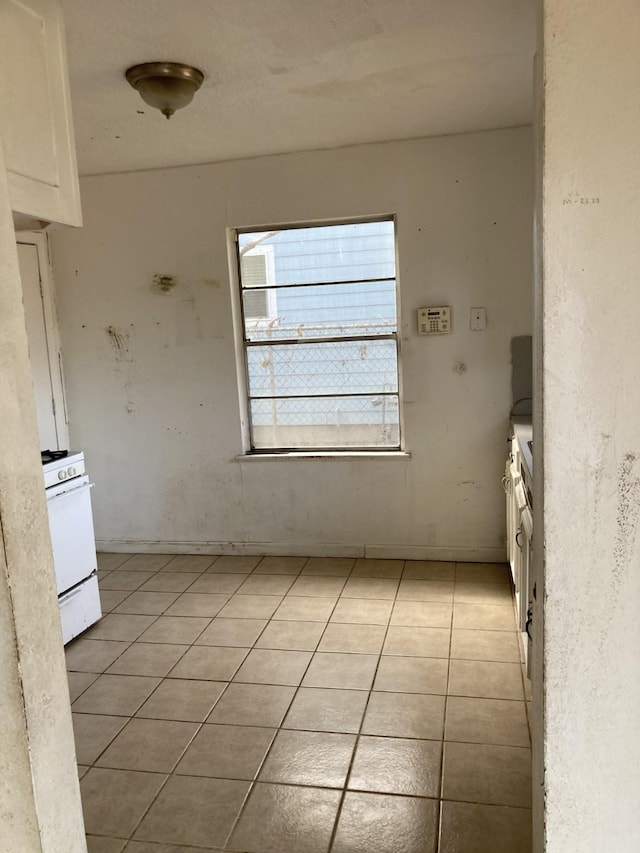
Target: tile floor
column 294, row 705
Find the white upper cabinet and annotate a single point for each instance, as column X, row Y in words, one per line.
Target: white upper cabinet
column 36, row 126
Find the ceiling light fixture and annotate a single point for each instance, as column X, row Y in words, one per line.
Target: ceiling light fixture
column 167, row 86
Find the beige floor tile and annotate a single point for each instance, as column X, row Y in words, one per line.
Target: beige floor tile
column 485, row 645
column 421, row 614
column 211, row 663
column 408, row 715
column 124, row 580
column 84, row 655
column 115, row 800
column 483, row 572
column 325, row 587
column 327, row 710
column 481, row 773
column 365, row 568
column 253, row 705
column 119, row 626
column 151, row 603
column 251, row 607
column 182, row 699
column 166, row 581
column 470, row 828
column 429, row 570
column 216, row 610
column 267, row 666
column 218, row 583
column 232, row 632
column 236, row 564
column 362, row 639
column 280, row 565
column 266, row 584
column 190, row 563
column 226, row 752
column 305, row 609
column 362, row 611
column 148, row 562
column 111, row 598
column 281, row 818
column 175, row 629
column 329, row 566
column 93, row 733
column 297, row 636
column 483, row 617
column 151, row 745
column 78, row 683
column 348, row 671
column 198, row 604
column 100, row 844
column 419, row 590
column 485, row 679
column 412, row 675
column 362, row 587
column 423, row 642
column 194, row 811
column 108, row 561
column 83, row 769
column 121, row 695
column 147, row 659
column 483, row 593
column 397, row 766
column 320, row 759
column 386, row 824
column 495, row 721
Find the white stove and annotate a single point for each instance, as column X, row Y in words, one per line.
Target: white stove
column 59, row 470
column 68, row 495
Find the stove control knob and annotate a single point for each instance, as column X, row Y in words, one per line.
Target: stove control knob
column 62, row 475
column 72, row 472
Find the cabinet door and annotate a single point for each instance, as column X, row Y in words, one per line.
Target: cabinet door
column 36, row 127
column 42, row 335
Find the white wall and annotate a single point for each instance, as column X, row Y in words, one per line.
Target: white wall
column 151, row 377
column 591, row 425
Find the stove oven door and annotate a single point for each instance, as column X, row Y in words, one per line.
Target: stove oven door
column 71, row 528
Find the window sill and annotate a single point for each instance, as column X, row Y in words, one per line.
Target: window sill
column 386, row 455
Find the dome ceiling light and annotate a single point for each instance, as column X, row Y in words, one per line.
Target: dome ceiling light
column 167, row 86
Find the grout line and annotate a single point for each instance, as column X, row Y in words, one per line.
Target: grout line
column 362, row 719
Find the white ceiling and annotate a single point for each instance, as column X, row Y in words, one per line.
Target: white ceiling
column 293, row 75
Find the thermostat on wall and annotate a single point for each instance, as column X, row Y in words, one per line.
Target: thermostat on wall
column 434, row 321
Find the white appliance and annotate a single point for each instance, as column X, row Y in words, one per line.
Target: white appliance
column 72, row 540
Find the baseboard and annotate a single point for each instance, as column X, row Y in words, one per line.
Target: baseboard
column 306, row 549
column 445, row 554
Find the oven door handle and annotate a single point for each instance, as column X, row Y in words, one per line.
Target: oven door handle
column 70, row 492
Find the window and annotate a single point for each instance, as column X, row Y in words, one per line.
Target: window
column 319, row 313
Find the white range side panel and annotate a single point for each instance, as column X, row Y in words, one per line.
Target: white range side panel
column 151, row 379
column 72, row 534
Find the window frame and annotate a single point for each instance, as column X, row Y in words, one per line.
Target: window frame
column 243, row 346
